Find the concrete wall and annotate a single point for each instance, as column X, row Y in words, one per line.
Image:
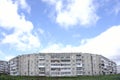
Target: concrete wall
column 4, row 67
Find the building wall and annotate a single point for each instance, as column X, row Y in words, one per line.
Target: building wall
column 41, row 64
column 14, row 66
column 24, row 67
column 87, row 64
column 118, row 69
column 107, row 66
column 61, row 64
column 4, row 67
column 79, row 64
column 28, row 65
column 95, row 61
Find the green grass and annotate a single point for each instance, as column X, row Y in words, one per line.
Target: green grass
column 107, row 77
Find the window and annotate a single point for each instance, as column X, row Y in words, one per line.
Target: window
column 78, row 55
column 65, row 72
column 42, row 69
column 78, row 63
column 55, row 60
column 79, row 68
column 55, row 69
column 55, row 73
column 41, row 64
column 66, row 68
column 65, row 60
column 41, row 59
column 78, row 60
column 55, row 64
column 79, row 72
column 41, row 72
column 65, row 64
column 67, row 56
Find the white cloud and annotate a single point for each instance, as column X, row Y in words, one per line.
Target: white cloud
column 82, row 12
column 21, row 38
column 106, row 44
column 8, row 57
column 9, row 17
column 23, row 4
column 52, row 48
column 22, row 41
column 58, row 47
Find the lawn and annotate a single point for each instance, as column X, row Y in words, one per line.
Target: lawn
column 107, row 77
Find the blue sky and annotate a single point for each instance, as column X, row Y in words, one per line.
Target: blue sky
column 30, row 26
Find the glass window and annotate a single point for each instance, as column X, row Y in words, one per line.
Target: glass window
column 65, row 60
column 79, row 68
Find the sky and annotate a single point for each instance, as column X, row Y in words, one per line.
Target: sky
column 33, row 26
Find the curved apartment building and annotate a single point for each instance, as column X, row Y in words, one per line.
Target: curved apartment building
column 61, row 64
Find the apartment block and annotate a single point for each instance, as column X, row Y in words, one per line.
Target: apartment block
column 4, row 67
column 61, row 64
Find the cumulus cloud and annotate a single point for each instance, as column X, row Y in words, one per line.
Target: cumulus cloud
column 106, row 44
column 73, row 12
column 22, row 41
column 21, row 37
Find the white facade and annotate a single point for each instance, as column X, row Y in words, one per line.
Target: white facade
column 61, row 64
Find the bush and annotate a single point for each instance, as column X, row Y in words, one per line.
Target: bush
column 107, row 77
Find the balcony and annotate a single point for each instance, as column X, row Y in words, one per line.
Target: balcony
column 79, row 65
